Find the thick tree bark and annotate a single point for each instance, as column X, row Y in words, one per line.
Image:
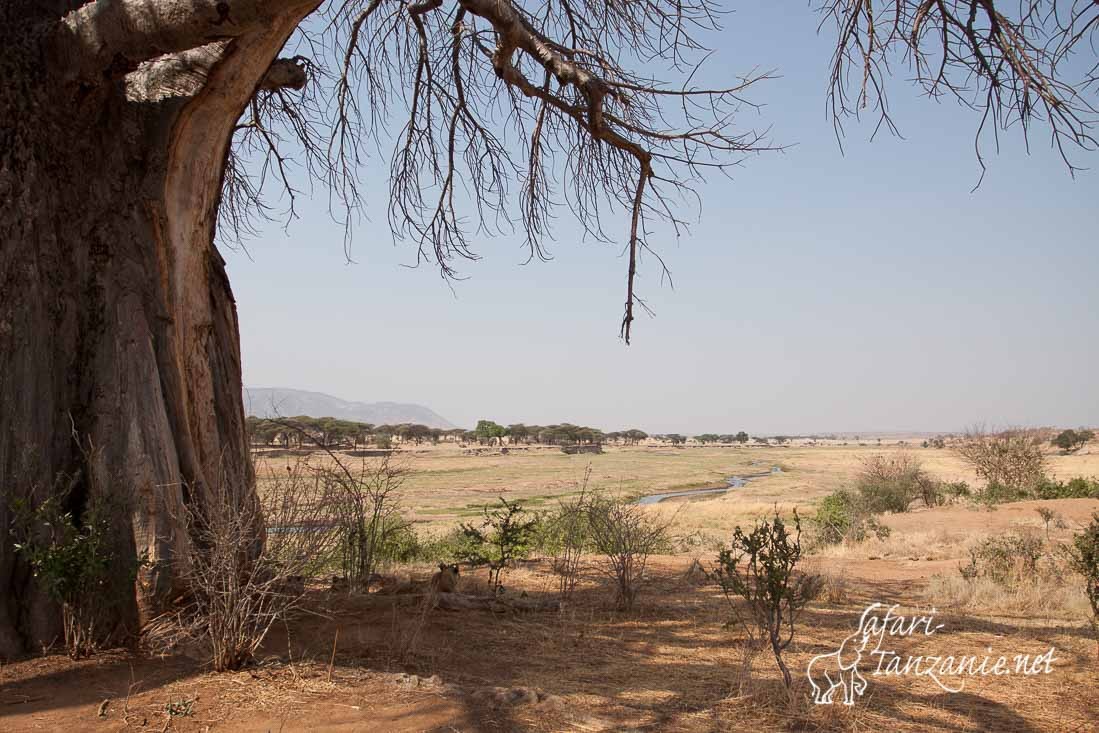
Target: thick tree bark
column 118, row 329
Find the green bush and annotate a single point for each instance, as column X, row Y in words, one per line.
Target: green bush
column 1076, row 488
column 568, row 525
column 400, row 543
column 1084, row 556
column 892, row 483
column 1007, row 560
column 1070, row 441
column 449, row 547
column 1046, row 488
column 997, row 493
column 879, row 498
column 760, row 569
column 73, row 558
column 506, row 534
column 844, row 517
column 956, row 490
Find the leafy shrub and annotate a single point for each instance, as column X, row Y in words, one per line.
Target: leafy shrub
column 956, row 490
column 1008, row 560
column 506, row 534
column 1070, row 441
column 1076, row 488
column 554, row 529
column 997, row 493
column 843, row 517
column 1084, row 557
column 892, row 483
column 72, row 557
column 1045, row 488
column 400, row 544
column 760, row 569
column 449, row 547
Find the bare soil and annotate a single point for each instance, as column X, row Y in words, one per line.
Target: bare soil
column 669, row 666
column 376, row 662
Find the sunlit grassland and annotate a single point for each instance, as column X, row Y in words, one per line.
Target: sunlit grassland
column 446, row 484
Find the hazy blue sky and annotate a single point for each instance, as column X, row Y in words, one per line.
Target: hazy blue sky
column 819, row 291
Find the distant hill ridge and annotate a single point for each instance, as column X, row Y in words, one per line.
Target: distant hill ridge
column 281, row 402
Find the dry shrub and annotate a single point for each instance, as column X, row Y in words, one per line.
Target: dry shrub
column 1011, row 459
column 407, row 629
column 1009, row 559
column 626, row 534
column 835, row 587
column 367, row 511
column 251, row 560
column 569, row 530
column 1016, row 572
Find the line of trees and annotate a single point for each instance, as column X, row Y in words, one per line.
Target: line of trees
column 565, row 434
column 741, row 437
column 330, row 432
column 304, row 431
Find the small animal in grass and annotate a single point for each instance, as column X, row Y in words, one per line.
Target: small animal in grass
column 445, row 580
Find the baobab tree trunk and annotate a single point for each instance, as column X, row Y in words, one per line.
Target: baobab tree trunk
column 119, row 348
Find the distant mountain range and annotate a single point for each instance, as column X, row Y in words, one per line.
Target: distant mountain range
column 279, row 402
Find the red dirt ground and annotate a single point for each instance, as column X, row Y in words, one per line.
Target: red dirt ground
column 671, row 665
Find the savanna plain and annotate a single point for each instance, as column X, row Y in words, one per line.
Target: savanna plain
column 391, row 658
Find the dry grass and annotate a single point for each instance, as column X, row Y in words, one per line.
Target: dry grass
column 1043, row 597
column 933, row 544
column 670, row 665
column 445, row 485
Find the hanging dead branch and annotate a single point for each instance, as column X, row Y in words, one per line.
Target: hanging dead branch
column 506, row 111
column 1016, row 64
column 499, row 113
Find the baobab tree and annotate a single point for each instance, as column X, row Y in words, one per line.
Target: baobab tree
column 133, row 132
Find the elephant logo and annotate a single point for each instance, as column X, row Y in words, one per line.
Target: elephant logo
column 829, row 672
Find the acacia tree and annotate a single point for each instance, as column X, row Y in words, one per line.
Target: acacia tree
column 133, row 131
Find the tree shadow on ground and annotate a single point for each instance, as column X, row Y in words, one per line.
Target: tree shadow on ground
column 672, row 664
column 667, row 665
column 114, row 674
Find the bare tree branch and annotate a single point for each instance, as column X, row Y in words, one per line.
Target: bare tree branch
column 555, row 102
column 496, row 91
column 1011, row 62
